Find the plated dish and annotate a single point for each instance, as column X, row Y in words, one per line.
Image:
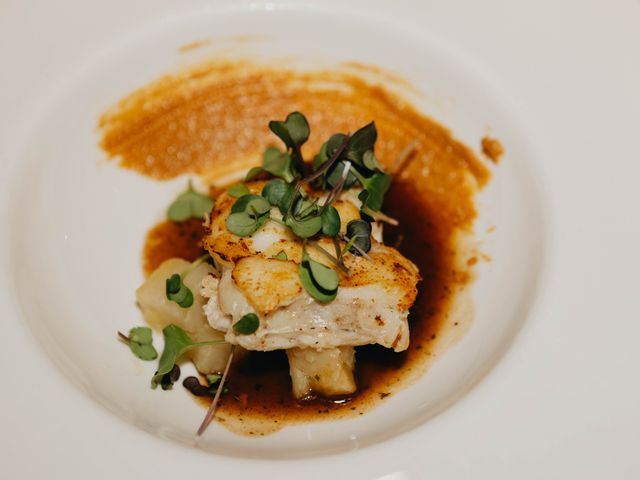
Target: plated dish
column 535, row 388
column 320, row 263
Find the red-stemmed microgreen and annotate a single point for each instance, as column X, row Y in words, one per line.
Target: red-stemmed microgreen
column 337, row 261
column 214, row 404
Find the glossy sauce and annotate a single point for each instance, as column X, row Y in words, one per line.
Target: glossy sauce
column 172, row 239
column 212, row 120
column 259, row 384
column 264, row 377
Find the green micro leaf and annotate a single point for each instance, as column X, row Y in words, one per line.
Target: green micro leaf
column 248, row 324
column 306, row 208
column 247, row 203
column 365, row 213
column 294, row 131
column 178, row 292
column 335, row 174
column 288, row 200
column 306, row 227
column 334, row 142
column 275, row 191
column 253, row 173
column 359, row 233
column 323, row 276
column 143, row 352
column 242, row 224
column 375, row 188
column 238, row 190
column 360, row 142
column 176, row 342
column 281, row 255
column 248, row 214
column 330, row 221
column 321, row 157
column 173, row 284
column 189, row 204
column 277, row 163
column 370, row 161
column 141, row 335
column 140, row 343
column 308, row 269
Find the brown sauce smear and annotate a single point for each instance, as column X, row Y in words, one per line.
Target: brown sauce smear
column 172, row 239
column 492, row 148
column 213, row 119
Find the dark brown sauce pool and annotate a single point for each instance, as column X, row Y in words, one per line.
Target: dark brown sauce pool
column 259, row 384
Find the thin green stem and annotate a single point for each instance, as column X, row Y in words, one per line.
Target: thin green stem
column 358, row 176
column 196, row 263
column 349, row 244
column 210, row 342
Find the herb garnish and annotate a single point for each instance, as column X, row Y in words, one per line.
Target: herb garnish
column 320, row 281
column 342, row 162
column 359, row 235
column 238, row 190
column 140, row 342
column 189, row 204
column 176, row 342
column 307, row 223
column 214, row 404
column 375, row 188
column 248, row 214
column 176, row 290
column 294, row 132
column 330, row 221
column 247, row 325
column 281, row 255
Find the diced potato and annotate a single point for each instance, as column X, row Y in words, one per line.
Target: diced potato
column 210, row 358
column 328, row 372
column 157, row 309
column 159, row 312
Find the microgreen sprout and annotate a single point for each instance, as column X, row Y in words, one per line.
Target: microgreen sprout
column 344, row 161
column 140, row 342
column 176, row 290
column 189, row 204
column 176, row 342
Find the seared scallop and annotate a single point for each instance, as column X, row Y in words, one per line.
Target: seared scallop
column 371, row 305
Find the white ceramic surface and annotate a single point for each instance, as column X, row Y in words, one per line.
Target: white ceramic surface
column 561, row 403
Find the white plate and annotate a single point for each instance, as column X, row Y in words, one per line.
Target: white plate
column 561, row 403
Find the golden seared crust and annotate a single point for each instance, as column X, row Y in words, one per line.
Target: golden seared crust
column 268, row 284
column 221, row 241
column 347, row 211
column 292, row 248
column 231, row 248
column 387, row 268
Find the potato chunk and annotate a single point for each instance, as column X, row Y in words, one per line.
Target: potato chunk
column 328, row 372
column 159, row 312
